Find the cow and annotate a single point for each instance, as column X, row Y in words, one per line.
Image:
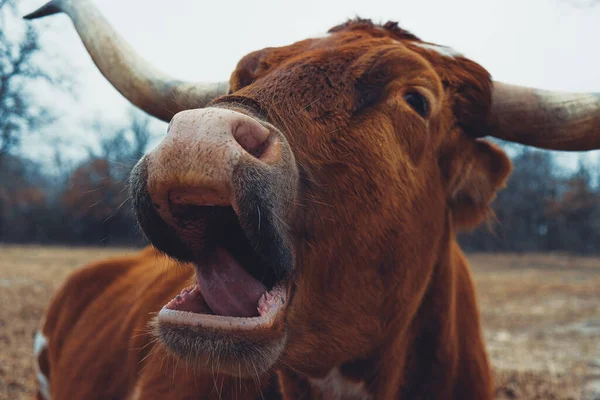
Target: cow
column 303, row 220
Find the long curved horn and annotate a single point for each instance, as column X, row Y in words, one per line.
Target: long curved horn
column 546, row 119
column 151, row 90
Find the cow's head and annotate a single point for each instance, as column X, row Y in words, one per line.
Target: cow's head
column 315, row 197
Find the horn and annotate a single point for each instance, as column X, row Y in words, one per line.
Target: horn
column 148, row 88
column 546, row 119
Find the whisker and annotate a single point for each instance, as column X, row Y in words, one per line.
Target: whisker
column 117, row 209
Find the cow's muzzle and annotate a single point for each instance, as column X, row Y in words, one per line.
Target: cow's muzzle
column 218, row 192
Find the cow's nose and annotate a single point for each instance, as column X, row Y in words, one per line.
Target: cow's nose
column 196, row 162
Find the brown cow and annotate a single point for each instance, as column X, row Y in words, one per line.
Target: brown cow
column 315, row 206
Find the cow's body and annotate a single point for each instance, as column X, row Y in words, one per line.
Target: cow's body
column 98, row 342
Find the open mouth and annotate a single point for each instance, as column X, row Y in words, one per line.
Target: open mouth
column 237, row 286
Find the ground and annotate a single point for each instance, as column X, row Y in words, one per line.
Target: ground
column 541, row 315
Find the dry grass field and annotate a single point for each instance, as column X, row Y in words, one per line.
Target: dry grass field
column 541, row 315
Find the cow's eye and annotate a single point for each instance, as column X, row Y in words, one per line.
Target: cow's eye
column 418, row 102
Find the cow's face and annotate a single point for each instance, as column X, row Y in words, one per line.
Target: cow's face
column 330, row 178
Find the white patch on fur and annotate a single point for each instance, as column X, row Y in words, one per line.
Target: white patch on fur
column 443, row 50
column 39, row 344
column 335, row 387
column 44, row 387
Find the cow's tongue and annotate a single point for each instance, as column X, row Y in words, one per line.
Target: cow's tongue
column 227, row 288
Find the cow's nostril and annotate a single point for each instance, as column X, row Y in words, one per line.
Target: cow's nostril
column 252, row 136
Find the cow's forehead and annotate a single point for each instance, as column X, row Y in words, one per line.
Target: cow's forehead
column 351, row 38
column 332, row 67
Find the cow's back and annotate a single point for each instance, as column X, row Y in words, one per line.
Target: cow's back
column 96, row 343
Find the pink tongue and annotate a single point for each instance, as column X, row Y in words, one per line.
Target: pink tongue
column 227, row 288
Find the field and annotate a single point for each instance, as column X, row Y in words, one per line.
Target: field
column 541, row 315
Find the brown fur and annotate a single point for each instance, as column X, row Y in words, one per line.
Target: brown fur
column 381, row 290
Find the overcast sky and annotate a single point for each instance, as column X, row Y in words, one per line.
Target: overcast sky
column 551, row 44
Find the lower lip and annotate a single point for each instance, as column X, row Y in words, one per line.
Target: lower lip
column 269, row 309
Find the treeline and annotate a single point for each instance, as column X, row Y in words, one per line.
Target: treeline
column 87, row 204
column 82, row 204
column 542, row 209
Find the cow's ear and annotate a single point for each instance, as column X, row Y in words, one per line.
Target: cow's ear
column 474, row 174
column 247, row 70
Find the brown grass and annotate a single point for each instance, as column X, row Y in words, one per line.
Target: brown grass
column 541, row 315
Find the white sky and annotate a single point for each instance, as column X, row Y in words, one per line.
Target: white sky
column 549, row 44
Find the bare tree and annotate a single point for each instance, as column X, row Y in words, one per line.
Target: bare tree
column 19, row 112
column 96, row 192
column 125, row 144
column 140, row 129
